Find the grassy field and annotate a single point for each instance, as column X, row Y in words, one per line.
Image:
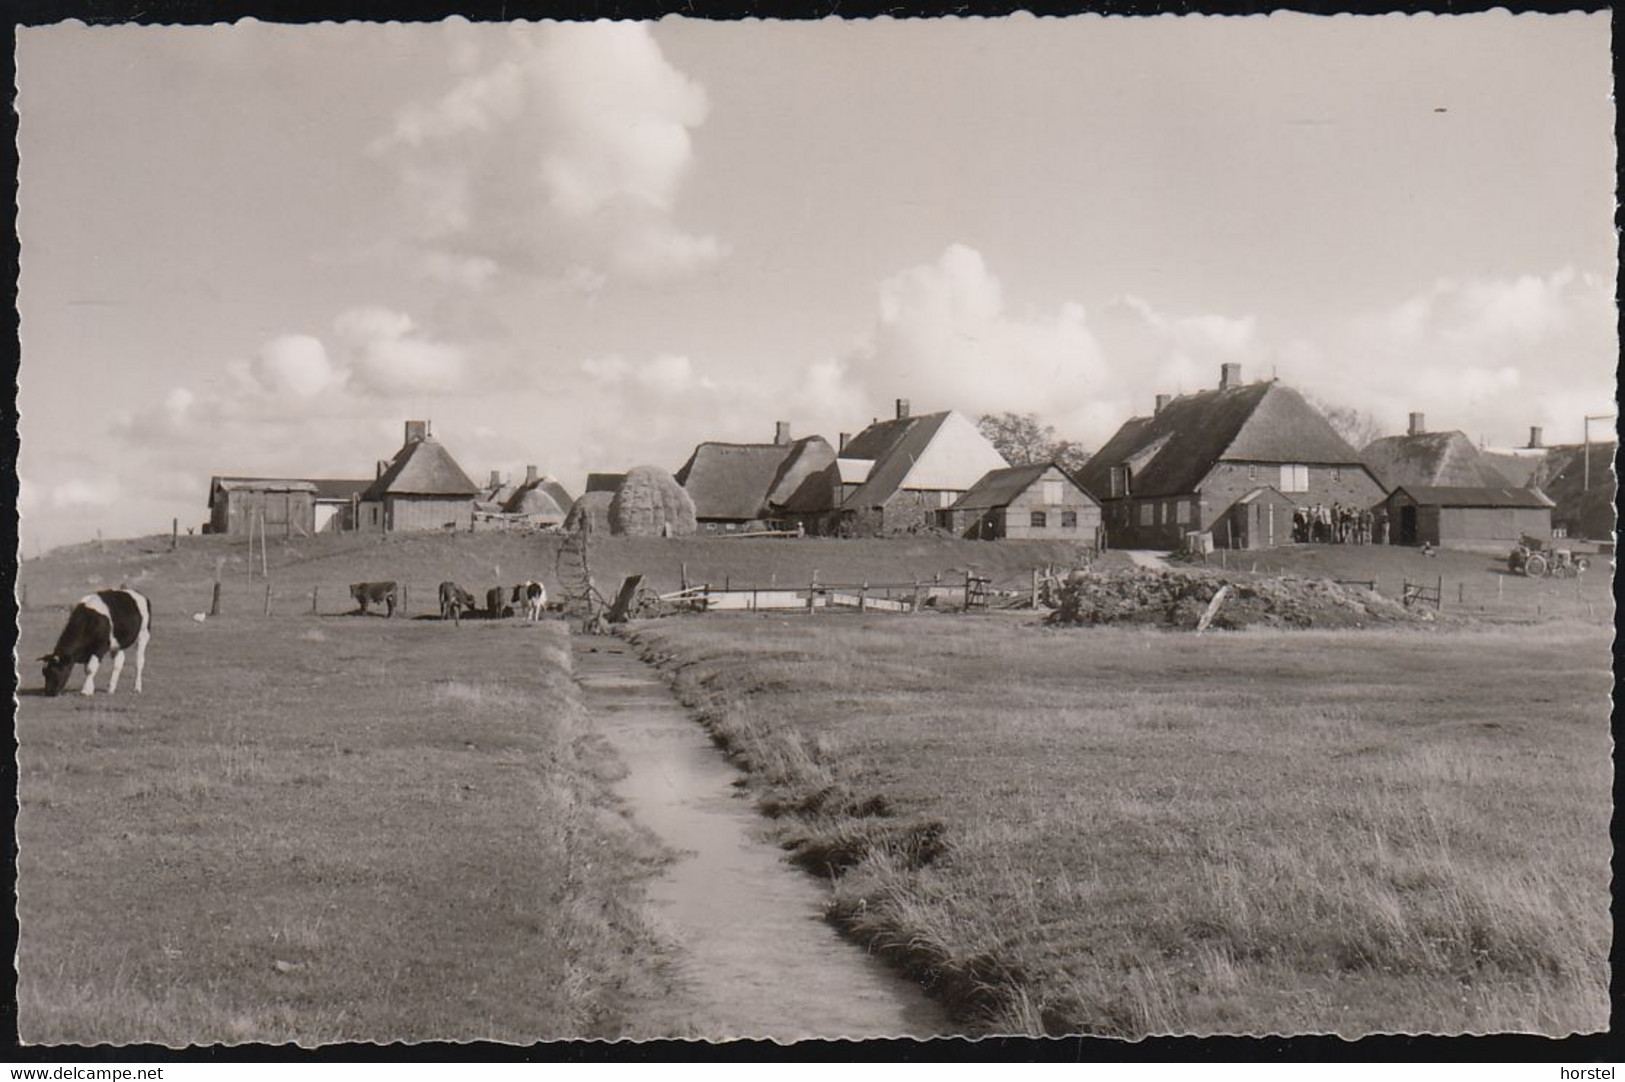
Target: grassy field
column 1130, row 832
column 321, row 830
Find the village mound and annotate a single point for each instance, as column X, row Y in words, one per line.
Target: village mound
column 1178, row 598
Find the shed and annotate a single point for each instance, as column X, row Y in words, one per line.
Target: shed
column 1258, row 520
column 283, row 506
column 1035, row 501
column 1465, row 517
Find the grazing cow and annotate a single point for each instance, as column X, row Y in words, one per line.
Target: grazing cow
column 105, row 623
column 374, row 593
column 531, row 597
column 453, row 600
column 494, row 607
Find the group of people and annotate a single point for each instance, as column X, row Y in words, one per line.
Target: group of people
column 1334, row 525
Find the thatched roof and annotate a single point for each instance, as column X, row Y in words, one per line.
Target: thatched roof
column 1521, row 466
column 1474, row 496
column 896, row 448
column 1430, row 458
column 1172, row 451
column 1000, row 488
column 1561, row 474
column 422, row 468
column 742, row 482
column 544, row 498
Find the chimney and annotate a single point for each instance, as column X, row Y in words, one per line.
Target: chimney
column 1418, row 425
column 846, row 438
column 1534, row 436
column 530, row 475
column 417, row 430
column 902, row 408
column 781, row 433
column 1162, row 403
column 383, row 464
column 496, row 479
column 1229, row 376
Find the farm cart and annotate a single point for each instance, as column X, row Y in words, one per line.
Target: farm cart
column 1534, row 558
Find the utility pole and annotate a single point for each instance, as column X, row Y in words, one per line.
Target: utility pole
column 1586, row 486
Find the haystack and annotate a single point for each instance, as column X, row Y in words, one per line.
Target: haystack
column 650, row 503
column 594, row 507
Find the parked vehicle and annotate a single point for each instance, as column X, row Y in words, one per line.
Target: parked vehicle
column 1536, row 559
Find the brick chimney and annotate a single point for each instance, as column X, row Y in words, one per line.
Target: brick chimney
column 1418, row 425
column 1535, row 436
column 846, row 438
column 530, row 475
column 1229, row 376
column 496, row 479
column 781, row 433
column 1162, row 403
column 417, row 430
column 902, row 408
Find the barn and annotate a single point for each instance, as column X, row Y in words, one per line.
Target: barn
column 1181, row 469
column 1463, row 517
column 1420, row 457
column 421, row 488
column 1035, row 501
column 754, row 486
column 897, row 475
column 280, row 506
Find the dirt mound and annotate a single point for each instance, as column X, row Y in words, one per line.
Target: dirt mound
column 1179, row 598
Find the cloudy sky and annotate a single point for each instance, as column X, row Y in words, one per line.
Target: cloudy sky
column 259, row 249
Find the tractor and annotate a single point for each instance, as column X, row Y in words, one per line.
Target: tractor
column 1535, row 558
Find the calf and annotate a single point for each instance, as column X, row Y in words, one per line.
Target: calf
column 375, row 593
column 531, row 597
column 453, row 600
column 105, row 623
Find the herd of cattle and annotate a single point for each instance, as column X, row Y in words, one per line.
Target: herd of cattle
column 104, row 625
column 528, row 599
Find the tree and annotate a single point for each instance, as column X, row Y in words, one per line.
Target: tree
column 1022, row 439
column 1355, row 425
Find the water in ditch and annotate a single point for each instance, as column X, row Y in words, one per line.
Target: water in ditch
column 758, row 960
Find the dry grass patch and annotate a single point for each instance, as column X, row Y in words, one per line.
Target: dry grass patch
column 1129, row 832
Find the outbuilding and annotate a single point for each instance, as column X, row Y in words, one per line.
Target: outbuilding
column 1259, row 520
column 1034, row 501
column 277, row 506
column 1467, row 517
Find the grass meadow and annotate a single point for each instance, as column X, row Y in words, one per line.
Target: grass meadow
column 318, row 830
column 1130, row 832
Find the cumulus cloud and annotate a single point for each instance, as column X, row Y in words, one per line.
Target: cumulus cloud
column 1486, row 355
column 389, row 355
column 295, row 365
column 76, row 493
column 565, row 156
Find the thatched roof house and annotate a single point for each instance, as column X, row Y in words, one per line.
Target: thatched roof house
column 1421, row 457
column 747, row 485
column 896, row 475
column 421, row 488
column 1180, row 469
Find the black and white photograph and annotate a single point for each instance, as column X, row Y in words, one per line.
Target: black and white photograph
column 542, row 531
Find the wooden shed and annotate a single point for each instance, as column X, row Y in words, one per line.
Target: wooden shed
column 1464, row 517
column 1259, row 520
column 283, row 505
column 1036, row 501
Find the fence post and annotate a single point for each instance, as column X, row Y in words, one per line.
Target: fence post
column 863, row 594
column 812, row 593
column 914, row 610
column 1461, row 593
column 268, row 599
column 967, row 591
column 214, row 603
column 683, row 575
column 1438, row 591
column 1035, row 587
column 314, row 590
column 174, row 534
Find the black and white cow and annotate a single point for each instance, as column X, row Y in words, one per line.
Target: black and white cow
column 375, row 593
column 453, row 600
column 531, row 597
column 102, row 625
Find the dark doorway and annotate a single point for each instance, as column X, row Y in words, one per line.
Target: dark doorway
column 1407, row 525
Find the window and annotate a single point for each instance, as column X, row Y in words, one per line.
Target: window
column 1294, row 478
column 1040, row 520
column 1182, row 512
column 945, row 499
column 1252, row 473
column 1147, row 513
column 1052, row 492
column 1069, row 520
column 1119, row 479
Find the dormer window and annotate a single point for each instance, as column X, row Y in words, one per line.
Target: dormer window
column 1119, row 480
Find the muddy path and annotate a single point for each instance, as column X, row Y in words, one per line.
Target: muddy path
column 758, row 958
